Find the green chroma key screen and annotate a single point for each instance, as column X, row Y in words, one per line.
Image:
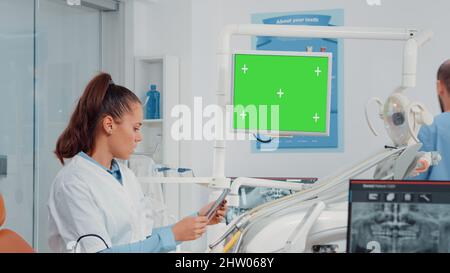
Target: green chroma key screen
column 298, row 83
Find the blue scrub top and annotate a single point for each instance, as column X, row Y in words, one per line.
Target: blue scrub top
column 436, row 137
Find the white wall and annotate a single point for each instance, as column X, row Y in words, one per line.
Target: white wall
column 190, row 30
column 161, row 28
column 371, row 68
column 165, row 28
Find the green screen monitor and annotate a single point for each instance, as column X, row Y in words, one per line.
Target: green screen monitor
column 281, row 92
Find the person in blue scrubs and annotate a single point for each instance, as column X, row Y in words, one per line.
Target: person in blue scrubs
column 436, row 137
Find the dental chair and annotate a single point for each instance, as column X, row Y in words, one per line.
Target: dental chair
column 11, row 242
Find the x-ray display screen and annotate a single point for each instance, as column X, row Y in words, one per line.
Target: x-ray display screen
column 399, row 217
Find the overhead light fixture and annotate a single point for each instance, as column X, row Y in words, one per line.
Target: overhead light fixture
column 73, row 2
column 148, row 1
column 373, row 2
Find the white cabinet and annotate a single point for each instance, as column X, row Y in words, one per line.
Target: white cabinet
column 163, row 71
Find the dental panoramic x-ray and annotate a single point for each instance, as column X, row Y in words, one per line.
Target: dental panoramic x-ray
column 399, row 217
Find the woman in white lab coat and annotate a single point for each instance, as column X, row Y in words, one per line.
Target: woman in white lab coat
column 95, row 201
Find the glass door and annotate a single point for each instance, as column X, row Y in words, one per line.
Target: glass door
column 16, row 113
column 48, row 53
column 68, row 55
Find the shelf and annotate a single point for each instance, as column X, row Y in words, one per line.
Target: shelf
column 152, row 121
column 163, row 71
column 150, row 59
column 158, row 140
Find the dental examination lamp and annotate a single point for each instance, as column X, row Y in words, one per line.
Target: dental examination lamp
column 401, row 117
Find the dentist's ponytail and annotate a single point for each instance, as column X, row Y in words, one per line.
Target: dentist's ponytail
column 100, row 98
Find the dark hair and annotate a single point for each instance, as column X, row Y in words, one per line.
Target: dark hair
column 443, row 74
column 100, row 98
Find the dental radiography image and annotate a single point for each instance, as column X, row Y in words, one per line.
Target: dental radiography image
column 400, row 228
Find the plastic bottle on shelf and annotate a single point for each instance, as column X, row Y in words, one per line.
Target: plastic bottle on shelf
column 152, row 105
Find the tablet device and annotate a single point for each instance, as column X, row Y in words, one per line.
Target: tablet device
column 212, row 211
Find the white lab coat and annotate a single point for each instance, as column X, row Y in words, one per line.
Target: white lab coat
column 85, row 199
